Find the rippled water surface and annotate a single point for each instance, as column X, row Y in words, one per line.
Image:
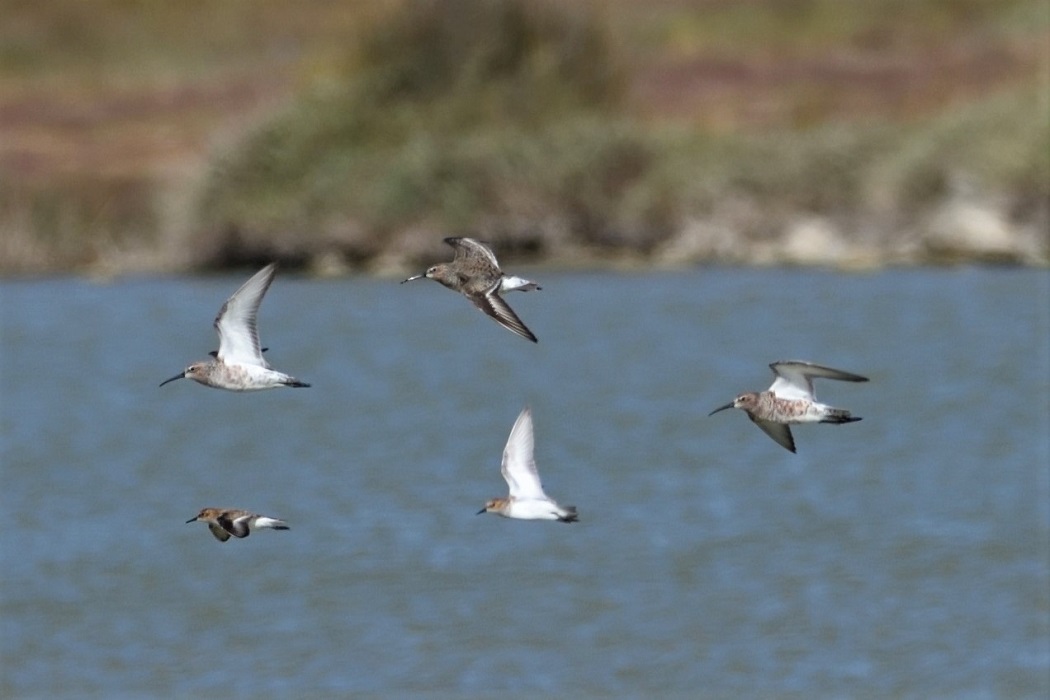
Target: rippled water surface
column 904, row 555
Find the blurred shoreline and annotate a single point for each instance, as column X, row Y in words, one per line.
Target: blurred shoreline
column 353, row 137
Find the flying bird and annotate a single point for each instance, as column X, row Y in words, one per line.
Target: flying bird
column 790, row 400
column 475, row 273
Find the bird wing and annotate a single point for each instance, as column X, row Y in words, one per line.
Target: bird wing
column 236, row 322
column 220, row 534
column 795, row 379
column 792, row 381
column 495, row 306
column 236, row 526
column 472, row 248
column 519, row 466
column 778, row 431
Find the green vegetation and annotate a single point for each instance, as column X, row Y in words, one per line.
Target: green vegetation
column 446, row 113
column 512, row 125
column 593, row 128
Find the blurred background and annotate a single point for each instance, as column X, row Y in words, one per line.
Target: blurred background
column 884, row 163
column 342, row 136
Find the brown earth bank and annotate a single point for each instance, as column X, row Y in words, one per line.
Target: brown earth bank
column 103, row 172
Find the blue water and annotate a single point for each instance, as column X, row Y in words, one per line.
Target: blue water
column 907, row 555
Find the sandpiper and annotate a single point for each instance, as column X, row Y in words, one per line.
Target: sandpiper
column 526, row 501
column 238, row 364
column 224, row 522
column 790, row 399
column 475, row 273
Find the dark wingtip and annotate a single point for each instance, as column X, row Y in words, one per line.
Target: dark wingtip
column 523, row 331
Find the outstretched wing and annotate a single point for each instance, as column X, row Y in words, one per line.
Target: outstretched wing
column 495, row 306
column 236, row 322
column 795, row 379
column 472, row 248
column 519, row 466
column 778, row 431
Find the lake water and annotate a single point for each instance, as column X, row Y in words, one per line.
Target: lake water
column 906, row 555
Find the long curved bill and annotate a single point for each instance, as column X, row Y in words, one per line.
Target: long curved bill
column 721, row 408
column 414, row 277
column 180, row 375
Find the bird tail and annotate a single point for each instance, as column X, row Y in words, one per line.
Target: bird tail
column 569, row 516
column 838, row 416
column 272, row 523
column 517, row 284
column 295, row 383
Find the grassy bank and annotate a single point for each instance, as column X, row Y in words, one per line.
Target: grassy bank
column 808, row 132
